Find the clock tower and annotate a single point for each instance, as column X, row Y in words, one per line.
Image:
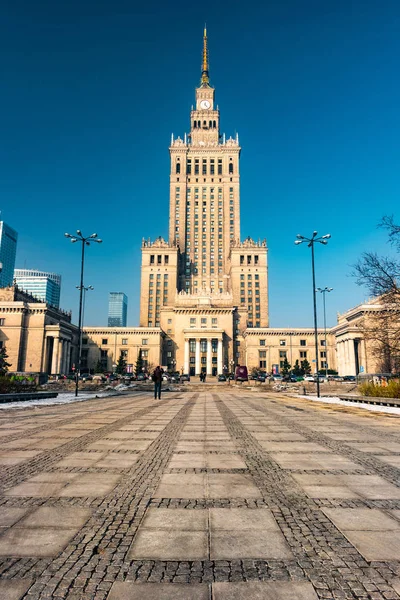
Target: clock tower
column 204, row 287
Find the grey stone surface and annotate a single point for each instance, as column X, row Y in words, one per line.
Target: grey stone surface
column 14, row 589
column 158, row 591
column 256, row 590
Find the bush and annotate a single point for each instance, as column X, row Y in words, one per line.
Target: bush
column 391, row 390
column 20, row 384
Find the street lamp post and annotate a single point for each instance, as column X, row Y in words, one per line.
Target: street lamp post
column 85, row 241
column 323, row 292
column 310, row 242
column 85, row 289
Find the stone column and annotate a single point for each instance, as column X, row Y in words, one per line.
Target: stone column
column 186, row 358
column 67, row 357
column 209, row 357
column 62, row 357
column 219, row 358
column 352, row 358
column 197, row 355
column 54, row 360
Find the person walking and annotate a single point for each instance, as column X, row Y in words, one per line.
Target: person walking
column 157, row 378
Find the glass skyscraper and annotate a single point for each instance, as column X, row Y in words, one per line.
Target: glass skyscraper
column 44, row 286
column 8, row 249
column 117, row 309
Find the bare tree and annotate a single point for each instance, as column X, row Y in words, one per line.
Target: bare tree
column 381, row 276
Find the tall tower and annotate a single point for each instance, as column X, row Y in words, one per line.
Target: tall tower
column 204, row 194
column 204, row 287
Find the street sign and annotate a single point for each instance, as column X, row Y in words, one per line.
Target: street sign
column 313, row 360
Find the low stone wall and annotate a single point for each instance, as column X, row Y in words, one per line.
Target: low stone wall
column 4, row 398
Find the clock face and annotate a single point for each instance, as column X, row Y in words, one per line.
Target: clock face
column 205, row 104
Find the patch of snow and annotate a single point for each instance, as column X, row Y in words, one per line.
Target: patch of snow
column 335, row 400
column 65, row 398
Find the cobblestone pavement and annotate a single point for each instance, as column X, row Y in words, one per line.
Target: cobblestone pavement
column 224, row 496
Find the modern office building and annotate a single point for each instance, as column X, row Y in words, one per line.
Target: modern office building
column 43, row 286
column 8, row 249
column 117, row 309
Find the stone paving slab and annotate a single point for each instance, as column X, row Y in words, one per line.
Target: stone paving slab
column 159, row 591
column 14, row 589
column 263, row 591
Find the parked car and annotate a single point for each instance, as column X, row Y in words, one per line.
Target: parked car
column 185, row 377
column 141, row 377
column 166, row 377
column 309, row 378
column 221, row 378
column 261, row 377
column 349, row 378
column 277, row 377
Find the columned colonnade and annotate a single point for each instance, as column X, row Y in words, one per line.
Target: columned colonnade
column 61, row 354
column 197, row 338
column 346, row 356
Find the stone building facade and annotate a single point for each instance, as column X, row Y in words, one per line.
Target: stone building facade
column 38, row 336
column 204, row 287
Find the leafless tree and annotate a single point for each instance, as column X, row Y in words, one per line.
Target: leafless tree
column 380, row 275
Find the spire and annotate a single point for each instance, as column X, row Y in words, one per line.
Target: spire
column 205, row 80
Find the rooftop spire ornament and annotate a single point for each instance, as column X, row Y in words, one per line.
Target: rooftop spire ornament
column 205, row 80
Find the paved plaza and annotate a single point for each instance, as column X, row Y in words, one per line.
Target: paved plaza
column 223, row 495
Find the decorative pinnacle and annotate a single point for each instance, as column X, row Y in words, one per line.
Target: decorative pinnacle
column 205, row 80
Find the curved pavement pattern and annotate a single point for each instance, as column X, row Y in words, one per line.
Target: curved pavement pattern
column 199, row 496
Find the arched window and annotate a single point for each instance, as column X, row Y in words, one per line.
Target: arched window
column 210, row 125
column 194, row 124
column 230, row 168
column 178, row 166
column 214, row 124
column 199, row 124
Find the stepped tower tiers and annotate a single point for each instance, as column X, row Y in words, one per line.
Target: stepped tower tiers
column 204, row 286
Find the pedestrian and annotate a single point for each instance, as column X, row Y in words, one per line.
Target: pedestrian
column 201, row 377
column 157, row 378
column 204, row 377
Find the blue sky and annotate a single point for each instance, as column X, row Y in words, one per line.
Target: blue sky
column 92, row 90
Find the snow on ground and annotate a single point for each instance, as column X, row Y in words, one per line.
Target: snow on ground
column 334, row 400
column 67, row 398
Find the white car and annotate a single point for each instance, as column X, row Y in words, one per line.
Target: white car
column 309, row 378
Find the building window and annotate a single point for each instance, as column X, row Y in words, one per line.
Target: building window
column 145, row 341
column 124, row 341
column 282, row 354
column 303, row 342
column 203, row 321
column 104, row 342
column 262, row 342
column 103, row 353
column 323, row 354
column 166, row 259
column 303, row 354
column 178, row 167
column 262, row 353
column 2, row 321
column 192, row 345
column 282, row 342
column 124, row 353
column 323, row 343
column 152, row 259
column 192, row 320
column 203, row 345
column 214, row 321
